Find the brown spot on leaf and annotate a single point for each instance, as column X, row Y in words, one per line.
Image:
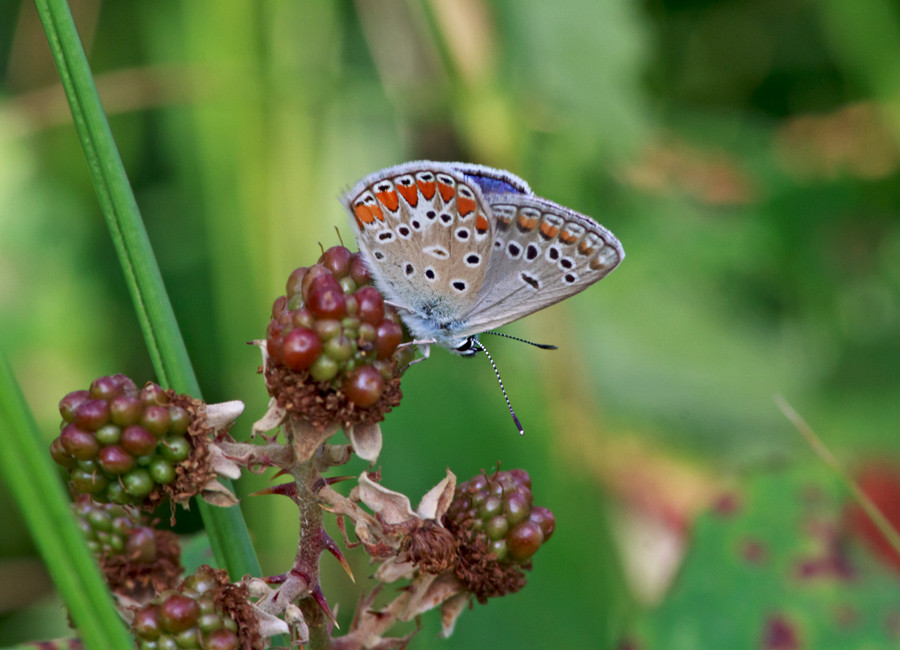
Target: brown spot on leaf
column 780, row 634
column 727, row 504
column 754, row 551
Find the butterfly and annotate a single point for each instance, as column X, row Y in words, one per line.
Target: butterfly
column 461, row 249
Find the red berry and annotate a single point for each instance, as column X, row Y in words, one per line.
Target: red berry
column 359, row 271
column 141, row 545
column 222, row 639
column 146, row 622
column 137, row 441
column 92, row 414
column 125, row 410
column 389, row 336
column 156, row 420
column 279, row 306
column 180, row 421
column 371, row 305
column 326, row 301
column 294, row 284
column 115, row 460
column 105, row 388
column 516, row 507
column 153, row 394
column 178, row 613
column 337, row 260
column 545, row 519
column 524, row 540
column 60, row 455
column 79, row 444
column 363, row 386
column 521, row 477
column 301, row 347
column 273, row 349
column 70, row 402
column 127, row 385
column 315, row 271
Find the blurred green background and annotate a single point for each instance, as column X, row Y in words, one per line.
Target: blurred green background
column 745, row 153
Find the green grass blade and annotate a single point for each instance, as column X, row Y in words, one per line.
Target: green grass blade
column 227, row 530
column 32, row 479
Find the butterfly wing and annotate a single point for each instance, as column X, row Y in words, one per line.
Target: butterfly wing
column 541, row 253
column 425, row 233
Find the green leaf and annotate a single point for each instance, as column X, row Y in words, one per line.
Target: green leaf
column 771, row 567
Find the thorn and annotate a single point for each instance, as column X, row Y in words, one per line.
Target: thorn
column 329, row 545
column 319, row 597
column 284, row 489
column 331, row 480
column 280, row 472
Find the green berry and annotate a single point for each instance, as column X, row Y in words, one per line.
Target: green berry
column 175, row 449
column 108, row 434
column 325, row 368
column 162, row 471
column 138, row 482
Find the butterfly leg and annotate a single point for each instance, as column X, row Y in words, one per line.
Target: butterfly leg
column 424, row 346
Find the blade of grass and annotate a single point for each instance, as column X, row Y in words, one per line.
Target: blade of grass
column 884, row 526
column 33, row 481
column 227, row 531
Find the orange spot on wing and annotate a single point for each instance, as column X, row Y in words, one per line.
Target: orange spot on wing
column 566, row 237
column 363, row 214
column 526, row 224
column 410, row 193
column 481, row 223
column 549, row 231
column 464, row 205
column 427, row 188
column 389, row 199
column 376, row 211
column 585, row 248
column 447, row 191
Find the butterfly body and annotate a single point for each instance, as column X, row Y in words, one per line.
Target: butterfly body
column 461, row 249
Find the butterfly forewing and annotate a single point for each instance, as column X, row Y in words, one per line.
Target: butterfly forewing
column 425, row 232
column 541, row 253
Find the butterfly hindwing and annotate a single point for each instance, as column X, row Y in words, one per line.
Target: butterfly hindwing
column 541, row 253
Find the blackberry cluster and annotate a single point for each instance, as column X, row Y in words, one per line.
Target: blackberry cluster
column 120, row 442
column 499, row 529
column 110, row 530
column 205, row 612
column 333, row 335
column 136, row 559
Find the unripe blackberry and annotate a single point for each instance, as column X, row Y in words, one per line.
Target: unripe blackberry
column 126, row 445
column 324, row 339
column 499, row 531
column 204, row 612
column 136, row 560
